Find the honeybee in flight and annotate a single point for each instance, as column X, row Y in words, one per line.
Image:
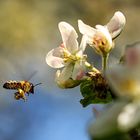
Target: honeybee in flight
column 22, row 87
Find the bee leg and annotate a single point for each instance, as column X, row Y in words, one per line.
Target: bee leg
column 17, row 96
column 22, row 94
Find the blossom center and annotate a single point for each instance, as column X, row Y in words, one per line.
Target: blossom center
column 68, row 57
column 101, row 43
column 99, row 40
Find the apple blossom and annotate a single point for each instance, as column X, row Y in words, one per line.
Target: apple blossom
column 101, row 37
column 68, row 55
column 125, row 79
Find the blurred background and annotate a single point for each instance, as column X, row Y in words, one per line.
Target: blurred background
column 28, row 30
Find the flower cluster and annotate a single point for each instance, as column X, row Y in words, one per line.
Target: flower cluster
column 120, row 82
column 70, row 54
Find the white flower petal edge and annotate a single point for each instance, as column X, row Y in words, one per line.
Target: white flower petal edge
column 116, row 24
column 54, row 61
column 83, row 44
column 69, row 36
column 86, row 29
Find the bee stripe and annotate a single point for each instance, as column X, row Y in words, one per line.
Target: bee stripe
column 12, row 85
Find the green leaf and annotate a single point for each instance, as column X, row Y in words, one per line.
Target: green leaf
column 96, row 99
column 86, row 88
column 95, row 91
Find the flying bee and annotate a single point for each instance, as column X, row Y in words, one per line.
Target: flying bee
column 22, row 87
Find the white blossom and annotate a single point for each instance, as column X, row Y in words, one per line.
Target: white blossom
column 101, row 37
column 125, row 79
column 68, row 55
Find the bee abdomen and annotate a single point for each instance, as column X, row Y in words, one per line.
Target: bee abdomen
column 12, row 85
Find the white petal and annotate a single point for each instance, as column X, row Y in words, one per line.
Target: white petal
column 86, row 29
column 58, row 52
column 129, row 117
column 83, row 43
column 72, row 43
column 116, row 24
column 124, row 81
column 53, row 61
column 69, row 36
column 78, row 71
column 108, row 119
column 132, row 55
column 65, row 73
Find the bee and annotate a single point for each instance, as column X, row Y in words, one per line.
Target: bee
column 22, row 87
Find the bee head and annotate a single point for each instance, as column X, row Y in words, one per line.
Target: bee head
column 32, row 87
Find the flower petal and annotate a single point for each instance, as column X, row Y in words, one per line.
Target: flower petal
column 53, row 58
column 129, row 117
column 116, row 24
column 69, row 36
column 83, row 44
column 72, row 43
column 59, row 51
column 69, row 83
column 86, row 29
column 107, row 120
column 78, row 71
column 124, row 81
column 132, row 55
column 66, row 73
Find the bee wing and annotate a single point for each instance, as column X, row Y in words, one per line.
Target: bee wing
column 32, row 75
column 23, row 72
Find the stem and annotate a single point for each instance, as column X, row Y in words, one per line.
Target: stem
column 89, row 66
column 104, row 62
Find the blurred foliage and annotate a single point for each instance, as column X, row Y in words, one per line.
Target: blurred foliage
column 95, row 90
column 31, row 25
column 23, row 21
column 115, row 137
